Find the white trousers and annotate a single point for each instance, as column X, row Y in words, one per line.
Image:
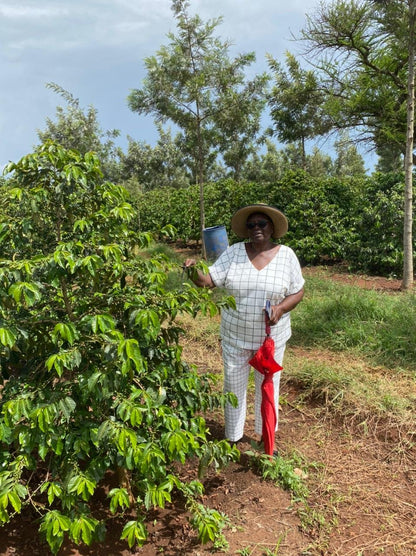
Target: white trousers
column 236, row 375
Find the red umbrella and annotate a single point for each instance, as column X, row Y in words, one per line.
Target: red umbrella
column 264, row 362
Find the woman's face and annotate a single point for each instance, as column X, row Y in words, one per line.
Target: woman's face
column 259, row 227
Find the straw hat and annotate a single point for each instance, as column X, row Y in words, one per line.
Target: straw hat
column 239, row 219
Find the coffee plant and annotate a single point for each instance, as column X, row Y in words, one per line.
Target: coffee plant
column 354, row 221
column 93, row 382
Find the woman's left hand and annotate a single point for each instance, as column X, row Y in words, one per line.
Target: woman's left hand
column 275, row 314
column 285, row 306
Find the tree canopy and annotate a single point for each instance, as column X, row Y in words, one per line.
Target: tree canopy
column 193, row 83
column 364, row 52
column 296, row 104
column 360, row 56
column 77, row 128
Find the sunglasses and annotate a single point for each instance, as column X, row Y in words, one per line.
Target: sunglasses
column 260, row 223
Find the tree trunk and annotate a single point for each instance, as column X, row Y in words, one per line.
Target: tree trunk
column 202, row 217
column 407, row 282
column 123, row 481
column 303, row 154
column 201, row 180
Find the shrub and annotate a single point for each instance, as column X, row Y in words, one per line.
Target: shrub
column 357, row 221
column 378, row 246
column 93, row 379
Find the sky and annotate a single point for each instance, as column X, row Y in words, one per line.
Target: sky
column 95, row 49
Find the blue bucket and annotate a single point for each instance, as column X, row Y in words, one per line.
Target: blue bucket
column 215, row 241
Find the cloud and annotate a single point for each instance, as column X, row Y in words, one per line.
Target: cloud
column 95, row 49
column 67, row 25
column 13, row 11
column 79, row 24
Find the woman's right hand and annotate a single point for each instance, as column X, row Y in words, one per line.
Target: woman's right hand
column 197, row 277
column 189, row 262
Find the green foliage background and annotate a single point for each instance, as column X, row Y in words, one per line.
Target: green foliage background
column 354, row 221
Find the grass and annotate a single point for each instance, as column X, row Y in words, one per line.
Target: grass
column 371, row 324
column 352, row 388
column 161, row 249
column 283, row 471
column 353, row 350
column 261, row 548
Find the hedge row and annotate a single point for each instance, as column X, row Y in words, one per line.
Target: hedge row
column 358, row 221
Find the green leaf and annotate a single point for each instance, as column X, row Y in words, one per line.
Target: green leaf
column 44, row 416
column 54, row 491
column 113, row 252
column 157, row 495
column 64, row 258
column 119, row 498
column 55, row 361
column 11, row 492
column 177, row 442
column 208, row 522
column 93, row 380
column 92, row 263
column 65, row 359
column 135, row 533
column 83, row 528
column 126, row 440
column 4, row 231
column 17, row 408
column 20, row 490
column 83, row 225
column 25, row 293
column 129, row 411
column 66, row 331
column 15, row 192
column 148, row 319
column 67, row 406
column 136, row 415
column 15, row 501
column 53, row 526
column 80, row 484
column 107, row 431
column 124, row 211
column 5, row 433
column 43, row 449
column 130, row 351
column 7, row 337
column 102, row 323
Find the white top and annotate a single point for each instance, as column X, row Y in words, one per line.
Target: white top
column 244, row 327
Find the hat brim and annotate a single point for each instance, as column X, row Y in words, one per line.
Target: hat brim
column 278, row 219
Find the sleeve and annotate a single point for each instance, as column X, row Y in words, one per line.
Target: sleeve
column 219, row 270
column 296, row 279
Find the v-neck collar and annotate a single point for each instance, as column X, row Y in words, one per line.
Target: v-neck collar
column 268, row 262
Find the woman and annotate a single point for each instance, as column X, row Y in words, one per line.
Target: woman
column 253, row 271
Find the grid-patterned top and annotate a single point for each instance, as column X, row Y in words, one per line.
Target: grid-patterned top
column 282, row 276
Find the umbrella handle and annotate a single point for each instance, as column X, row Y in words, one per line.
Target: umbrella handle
column 268, row 307
column 267, row 316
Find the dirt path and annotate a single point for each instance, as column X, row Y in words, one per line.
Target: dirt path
column 362, row 501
